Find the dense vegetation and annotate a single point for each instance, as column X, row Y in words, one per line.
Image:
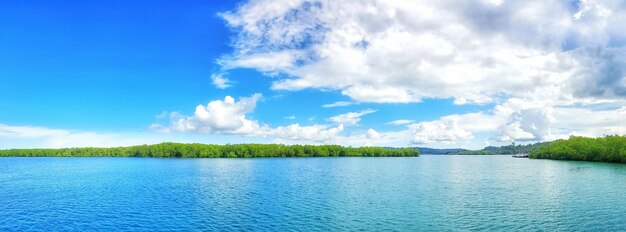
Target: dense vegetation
column 606, row 149
column 178, row 150
column 505, row 150
column 490, row 150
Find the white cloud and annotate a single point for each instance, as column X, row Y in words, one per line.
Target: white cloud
column 29, row 131
column 545, row 66
column 351, row 118
column 337, row 104
column 315, row 133
column 20, row 136
column 406, row 50
column 372, row 137
column 372, row 134
column 220, row 81
column 523, row 120
column 528, row 124
column 589, row 122
column 591, row 8
column 291, row 117
column 231, row 117
column 513, row 120
column 444, row 131
column 220, row 116
column 521, row 56
column 512, row 131
column 41, row 137
column 400, row 122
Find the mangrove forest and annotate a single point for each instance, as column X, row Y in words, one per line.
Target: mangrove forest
column 180, row 150
column 606, row 149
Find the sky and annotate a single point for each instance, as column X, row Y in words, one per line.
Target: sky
column 441, row 74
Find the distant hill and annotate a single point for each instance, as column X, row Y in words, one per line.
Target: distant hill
column 490, row 150
column 435, row 151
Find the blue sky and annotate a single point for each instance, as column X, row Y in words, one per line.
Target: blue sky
column 106, row 65
column 406, row 73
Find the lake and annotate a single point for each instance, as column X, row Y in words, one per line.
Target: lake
column 403, row 194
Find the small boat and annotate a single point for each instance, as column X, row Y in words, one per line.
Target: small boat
column 521, row 155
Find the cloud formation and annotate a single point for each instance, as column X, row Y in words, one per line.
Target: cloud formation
column 221, row 116
column 337, row 104
column 400, row 122
column 444, row 131
column 350, row 118
column 532, row 60
column 12, row 136
column 315, row 133
column 220, row 81
column 529, row 124
column 232, row 118
column 404, row 51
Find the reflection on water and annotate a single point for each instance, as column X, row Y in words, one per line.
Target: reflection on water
column 412, row 193
column 579, row 169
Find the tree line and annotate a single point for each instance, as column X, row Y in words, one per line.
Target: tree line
column 180, row 150
column 606, row 149
column 505, row 150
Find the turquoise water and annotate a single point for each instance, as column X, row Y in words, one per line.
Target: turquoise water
column 406, row 194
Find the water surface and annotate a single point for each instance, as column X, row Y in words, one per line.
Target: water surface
column 405, row 194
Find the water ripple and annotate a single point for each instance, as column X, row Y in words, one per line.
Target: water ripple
column 429, row 193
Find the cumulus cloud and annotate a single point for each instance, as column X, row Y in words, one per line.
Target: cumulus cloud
column 372, row 134
column 220, row 116
column 533, row 63
column 232, row 118
column 220, row 81
column 528, row 124
column 351, row 118
column 444, row 131
column 315, row 133
column 513, row 120
column 527, row 121
column 406, row 50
